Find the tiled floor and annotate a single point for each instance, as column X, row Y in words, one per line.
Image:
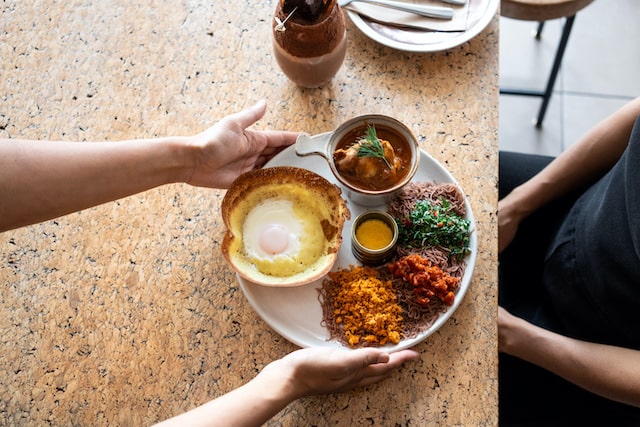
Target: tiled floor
column 600, row 72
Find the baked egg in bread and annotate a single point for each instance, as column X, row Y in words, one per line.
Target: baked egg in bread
column 284, row 226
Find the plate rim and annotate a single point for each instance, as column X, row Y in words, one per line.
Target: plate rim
column 246, row 285
column 465, row 36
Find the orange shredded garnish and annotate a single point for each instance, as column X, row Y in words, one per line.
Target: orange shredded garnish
column 366, row 307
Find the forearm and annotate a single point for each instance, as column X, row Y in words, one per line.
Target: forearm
column 44, row 180
column 304, row 372
column 605, row 370
column 582, row 163
column 252, row 404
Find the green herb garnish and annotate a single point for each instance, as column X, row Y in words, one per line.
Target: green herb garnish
column 435, row 225
column 370, row 146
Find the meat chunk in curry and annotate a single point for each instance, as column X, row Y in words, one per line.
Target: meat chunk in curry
column 370, row 162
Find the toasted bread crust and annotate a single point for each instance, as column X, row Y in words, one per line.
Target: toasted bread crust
column 322, row 189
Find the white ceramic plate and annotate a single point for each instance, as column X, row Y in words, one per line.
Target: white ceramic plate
column 481, row 12
column 295, row 313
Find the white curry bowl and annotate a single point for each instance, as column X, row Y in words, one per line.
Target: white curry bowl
column 399, row 136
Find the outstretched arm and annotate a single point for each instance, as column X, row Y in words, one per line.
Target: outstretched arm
column 302, row 373
column 588, row 159
column 41, row 180
column 609, row 371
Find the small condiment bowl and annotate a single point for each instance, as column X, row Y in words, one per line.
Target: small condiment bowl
column 374, row 247
column 325, row 145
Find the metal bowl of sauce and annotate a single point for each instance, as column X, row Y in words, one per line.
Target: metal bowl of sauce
column 373, row 237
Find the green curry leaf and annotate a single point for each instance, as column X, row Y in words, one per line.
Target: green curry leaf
column 435, row 225
column 370, row 146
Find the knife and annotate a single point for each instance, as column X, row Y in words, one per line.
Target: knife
column 424, row 10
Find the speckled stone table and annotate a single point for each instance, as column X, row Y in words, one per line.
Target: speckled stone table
column 126, row 314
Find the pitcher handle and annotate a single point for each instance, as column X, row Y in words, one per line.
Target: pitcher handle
column 307, row 145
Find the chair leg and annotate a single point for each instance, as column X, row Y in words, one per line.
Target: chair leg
column 546, row 94
column 566, row 31
column 539, row 30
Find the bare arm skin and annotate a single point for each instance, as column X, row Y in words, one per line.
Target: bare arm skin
column 586, row 160
column 41, row 180
column 608, row 371
column 302, row 373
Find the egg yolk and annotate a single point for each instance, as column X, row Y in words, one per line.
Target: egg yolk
column 274, row 239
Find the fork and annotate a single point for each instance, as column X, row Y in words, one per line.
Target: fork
column 423, row 10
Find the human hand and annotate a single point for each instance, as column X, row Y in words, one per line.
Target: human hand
column 305, row 372
column 508, row 224
column 314, row 371
column 586, row 364
column 511, row 330
column 228, row 149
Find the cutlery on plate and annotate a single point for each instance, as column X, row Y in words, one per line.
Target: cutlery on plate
column 456, row 2
column 423, row 10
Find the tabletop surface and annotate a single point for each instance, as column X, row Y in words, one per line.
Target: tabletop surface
column 126, row 313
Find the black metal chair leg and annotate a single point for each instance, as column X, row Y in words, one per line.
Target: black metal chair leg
column 546, row 95
column 566, row 31
column 539, row 30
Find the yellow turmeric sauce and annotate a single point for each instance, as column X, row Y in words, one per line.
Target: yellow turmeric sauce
column 374, row 234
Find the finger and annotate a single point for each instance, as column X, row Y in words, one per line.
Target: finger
column 394, row 361
column 249, row 116
column 268, row 143
column 267, row 154
column 365, row 357
column 279, row 139
column 378, row 356
column 400, row 357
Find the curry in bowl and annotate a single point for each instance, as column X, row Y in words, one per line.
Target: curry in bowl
column 373, row 157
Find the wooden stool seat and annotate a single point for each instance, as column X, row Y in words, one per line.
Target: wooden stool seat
column 541, row 11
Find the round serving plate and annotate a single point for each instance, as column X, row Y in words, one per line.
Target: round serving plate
column 481, row 12
column 295, row 313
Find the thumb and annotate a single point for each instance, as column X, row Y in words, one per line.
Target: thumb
column 250, row 115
